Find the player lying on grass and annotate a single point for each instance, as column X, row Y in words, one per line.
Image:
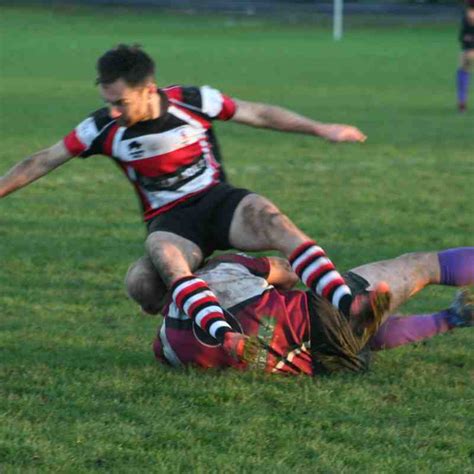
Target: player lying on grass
column 466, row 38
column 298, row 331
column 163, row 140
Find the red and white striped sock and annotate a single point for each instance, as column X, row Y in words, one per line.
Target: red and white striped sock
column 318, row 273
column 194, row 297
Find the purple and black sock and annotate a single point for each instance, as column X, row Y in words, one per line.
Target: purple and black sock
column 401, row 330
column 457, row 266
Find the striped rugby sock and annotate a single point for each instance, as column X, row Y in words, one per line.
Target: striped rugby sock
column 193, row 296
column 318, row 273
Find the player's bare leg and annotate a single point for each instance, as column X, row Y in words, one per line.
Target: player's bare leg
column 258, row 224
column 411, row 272
column 175, row 259
column 405, row 275
column 173, row 256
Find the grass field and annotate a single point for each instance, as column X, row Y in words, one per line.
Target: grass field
column 79, row 388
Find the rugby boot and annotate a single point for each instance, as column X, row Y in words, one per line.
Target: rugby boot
column 462, row 107
column 368, row 309
column 462, row 309
column 240, row 347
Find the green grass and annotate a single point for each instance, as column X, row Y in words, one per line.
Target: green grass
column 79, row 388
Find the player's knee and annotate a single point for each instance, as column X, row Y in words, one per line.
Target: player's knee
column 161, row 248
column 168, row 249
column 155, row 243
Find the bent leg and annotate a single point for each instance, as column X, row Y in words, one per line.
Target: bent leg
column 258, row 224
column 175, row 257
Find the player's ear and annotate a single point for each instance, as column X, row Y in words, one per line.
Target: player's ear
column 152, row 88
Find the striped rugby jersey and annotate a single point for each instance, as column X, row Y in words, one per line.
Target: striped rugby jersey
column 280, row 319
column 168, row 159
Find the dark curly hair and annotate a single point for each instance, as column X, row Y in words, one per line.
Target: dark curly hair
column 127, row 62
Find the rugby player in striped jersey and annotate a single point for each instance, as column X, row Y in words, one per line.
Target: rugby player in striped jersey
column 163, row 141
column 298, row 332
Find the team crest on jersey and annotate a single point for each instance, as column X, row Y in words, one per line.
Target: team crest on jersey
column 136, row 149
column 207, row 340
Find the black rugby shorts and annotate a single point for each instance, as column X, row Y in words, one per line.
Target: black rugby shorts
column 204, row 219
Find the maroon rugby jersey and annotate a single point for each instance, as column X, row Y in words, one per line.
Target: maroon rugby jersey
column 168, row 159
column 281, row 319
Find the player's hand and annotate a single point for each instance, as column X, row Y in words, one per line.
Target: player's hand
column 240, row 347
column 342, row 133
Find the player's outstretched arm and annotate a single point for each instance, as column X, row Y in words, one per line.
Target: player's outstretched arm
column 33, row 167
column 277, row 118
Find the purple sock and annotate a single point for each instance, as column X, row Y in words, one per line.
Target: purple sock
column 457, row 266
column 401, row 330
column 462, row 85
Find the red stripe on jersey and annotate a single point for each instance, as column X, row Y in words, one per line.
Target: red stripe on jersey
column 228, row 108
column 73, row 144
column 205, row 123
column 108, row 143
column 331, row 285
column 167, row 162
column 174, row 92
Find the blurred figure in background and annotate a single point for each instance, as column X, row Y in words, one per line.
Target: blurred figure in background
column 466, row 38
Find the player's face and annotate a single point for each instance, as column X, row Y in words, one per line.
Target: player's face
column 127, row 104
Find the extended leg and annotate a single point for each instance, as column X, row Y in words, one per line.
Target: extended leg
column 409, row 273
column 401, row 330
